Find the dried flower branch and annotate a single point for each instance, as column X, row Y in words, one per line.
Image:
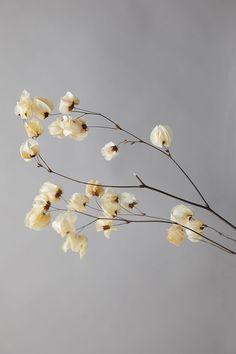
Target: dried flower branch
column 114, row 209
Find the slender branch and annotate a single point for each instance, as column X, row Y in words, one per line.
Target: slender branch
column 128, row 221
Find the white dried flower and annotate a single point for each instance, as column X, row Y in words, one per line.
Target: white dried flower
column 65, row 223
column 36, row 219
column 196, row 226
column 42, row 202
column 25, row 107
column 68, row 102
column 29, row 149
column 111, row 209
column 56, row 128
column 42, row 107
column 128, row 201
column 74, row 128
column 176, row 235
column 181, row 214
column 106, row 226
column 52, row 191
column 110, row 197
column 94, row 189
column 161, row 135
column 33, row 128
column 78, row 202
column 109, row 151
column 76, row 243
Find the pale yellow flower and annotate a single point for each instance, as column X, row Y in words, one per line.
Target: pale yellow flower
column 161, row 135
column 42, row 202
column 29, row 149
column 78, row 202
column 94, row 189
column 33, row 128
column 65, row 223
column 128, row 201
column 176, row 235
column 111, row 209
column 25, row 107
column 68, row 102
column 36, row 219
column 42, row 107
column 196, row 226
column 52, row 191
column 110, row 197
column 74, row 128
column 106, row 226
column 56, row 128
column 76, row 243
column 109, row 151
column 81, row 130
column 181, row 214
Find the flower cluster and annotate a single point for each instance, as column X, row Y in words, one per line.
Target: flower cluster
column 112, row 205
column 184, row 226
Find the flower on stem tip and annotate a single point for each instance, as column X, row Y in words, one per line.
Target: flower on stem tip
column 65, row 223
column 42, row 107
column 110, row 197
column 76, row 243
column 39, row 106
column 68, row 126
column 161, row 135
column 52, row 191
column 128, row 201
column 106, row 226
column 109, row 151
column 37, row 219
column 78, row 202
column 29, row 149
column 181, row 214
column 67, row 103
column 94, row 189
column 33, row 128
column 198, row 227
column 176, row 235
column 42, row 201
column 24, row 107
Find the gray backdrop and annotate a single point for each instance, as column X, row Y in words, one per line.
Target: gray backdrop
column 142, row 63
